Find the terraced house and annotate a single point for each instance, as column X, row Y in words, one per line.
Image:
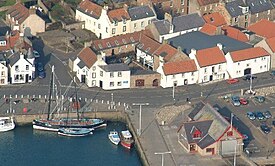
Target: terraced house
column 106, row 22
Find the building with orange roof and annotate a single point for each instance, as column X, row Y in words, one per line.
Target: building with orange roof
column 107, row 23
column 235, row 33
column 269, row 46
column 211, row 63
column 178, row 73
column 215, row 19
column 263, row 28
column 209, row 29
column 25, row 20
column 247, row 61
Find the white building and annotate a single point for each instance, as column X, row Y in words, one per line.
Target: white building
column 3, row 70
column 247, row 61
column 211, row 64
column 22, row 70
column 178, row 73
column 114, row 76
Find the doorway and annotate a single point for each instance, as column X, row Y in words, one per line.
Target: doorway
column 247, row 71
column 211, row 78
column 27, row 78
column 100, row 84
column 83, row 79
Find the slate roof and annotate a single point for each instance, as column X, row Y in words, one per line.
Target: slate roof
column 140, row 12
column 258, row 6
column 163, row 26
column 197, row 108
column 81, row 64
column 115, row 67
column 90, row 8
column 135, row 71
column 199, row 41
column 14, row 58
column 179, row 67
column 2, row 38
column 19, row 12
column 2, row 56
column 207, row 2
column 185, row 22
column 250, row 53
column 233, row 7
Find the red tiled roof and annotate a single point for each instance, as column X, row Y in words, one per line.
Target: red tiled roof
column 207, row 2
column 166, row 51
column 116, row 41
column 19, row 12
column 179, row 67
column 90, row 8
column 263, row 28
column 249, row 53
column 210, row 56
column 209, row 29
column 215, row 19
column 271, row 43
column 118, row 15
column 87, row 56
column 10, row 41
column 149, row 44
column 235, row 33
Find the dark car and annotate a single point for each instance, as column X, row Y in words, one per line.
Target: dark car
column 248, row 77
column 259, row 115
column 272, row 73
column 273, row 123
column 265, row 128
column 267, row 114
column 40, row 66
column 251, row 115
column 41, row 74
column 260, row 99
column 235, row 100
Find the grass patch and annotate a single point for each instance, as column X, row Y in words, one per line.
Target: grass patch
column 3, row 14
column 57, row 12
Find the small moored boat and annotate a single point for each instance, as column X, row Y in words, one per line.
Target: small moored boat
column 6, row 124
column 114, row 137
column 126, row 139
column 75, row 132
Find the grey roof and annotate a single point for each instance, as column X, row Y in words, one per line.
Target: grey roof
column 199, row 41
column 81, row 64
column 186, row 22
column 115, row 67
column 273, row 2
column 234, row 9
column 14, row 58
column 2, row 38
column 140, row 12
column 163, row 26
column 196, row 109
column 30, row 54
column 258, row 6
column 2, row 56
column 135, row 71
column 206, row 141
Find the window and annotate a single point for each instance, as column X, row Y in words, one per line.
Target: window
column 118, row 83
column 255, row 60
column 246, row 17
column 236, row 19
column 27, row 67
column 112, row 84
column 268, row 12
column 182, row 2
column 209, row 150
column 124, row 28
column 205, row 78
column 149, row 22
column 230, row 133
column 94, row 83
column 192, row 74
column 239, row 64
column 115, row 23
column 119, row 74
column 2, row 81
column 213, row 69
column 264, row 66
column 112, row 74
column 171, row 3
column 2, row 73
column 197, row 134
column 140, row 82
column 106, row 29
column 135, row 25
column 220, row 67
column 116, row 42
column 261, row 67
column 93, row 75
column 108, row 44
column 142, row 23
column 93, row 68
column 174, row 76
column 16, row 68
column 98, row 26
column 113, row 30
column 205, row 70
column 182, row 75
column 247, row 64
column 257, row 14
column 101, row 73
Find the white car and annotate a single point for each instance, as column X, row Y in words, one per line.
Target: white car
column 36, row 54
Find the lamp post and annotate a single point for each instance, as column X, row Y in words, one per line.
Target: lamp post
column 162, row 159
column 112, row 100
column 236, row 152
column 140, row 105
column 173, row 91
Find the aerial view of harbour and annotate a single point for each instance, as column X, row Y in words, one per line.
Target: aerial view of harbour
column 24, row 146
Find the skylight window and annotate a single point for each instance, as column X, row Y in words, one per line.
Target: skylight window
column 132, row 39
column 116, row 42
column 252, row 4
column 100, row 46
column 123, row 41
column 108, row 44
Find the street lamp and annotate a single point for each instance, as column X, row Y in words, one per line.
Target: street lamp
column 236, row 152
column 112, row 100
column 162, row 159
column 140, row 105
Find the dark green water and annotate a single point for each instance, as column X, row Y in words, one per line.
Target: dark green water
column 27, row 147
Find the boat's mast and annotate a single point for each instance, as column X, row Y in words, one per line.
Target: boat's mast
column 76, row 100
column 50, row 95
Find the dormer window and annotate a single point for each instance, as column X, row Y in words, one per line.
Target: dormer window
column 124, row 21
column 108, row 44
column 115, row 23
column 197, row 134
column 132, row 39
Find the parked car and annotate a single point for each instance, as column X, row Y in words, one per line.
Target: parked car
column 248, row 77
column 251, row 115
column 243, row 101
column 40, row 66
column 260, row 99
column 273, row 123
column 265, row 129
column 235, row 100
column 267, row 114
column 16, row 101
column 36, row 54
column 259, row 115
column 245, row 137
column 41, row 74
column 232, row 81
column 272, row 73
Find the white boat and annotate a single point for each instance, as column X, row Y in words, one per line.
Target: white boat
column 75, row 132
column 114, row 137
column 6, row 124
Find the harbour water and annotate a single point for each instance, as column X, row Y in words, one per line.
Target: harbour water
column 26, row 147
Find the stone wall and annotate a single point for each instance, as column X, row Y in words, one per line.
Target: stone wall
column 148, row 80
column 4, row 8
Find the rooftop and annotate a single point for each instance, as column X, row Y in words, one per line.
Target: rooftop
column 263, row 28
column 179, row 67
column 250, row 53
column 210, row 56
column 186, row 22
column 215, row 19
column 140, row 12
column 115, row 67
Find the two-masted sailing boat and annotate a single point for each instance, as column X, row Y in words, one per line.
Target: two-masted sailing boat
column 54, row 124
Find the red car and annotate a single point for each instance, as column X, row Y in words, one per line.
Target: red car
column 232, row 81
column 243, row 101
